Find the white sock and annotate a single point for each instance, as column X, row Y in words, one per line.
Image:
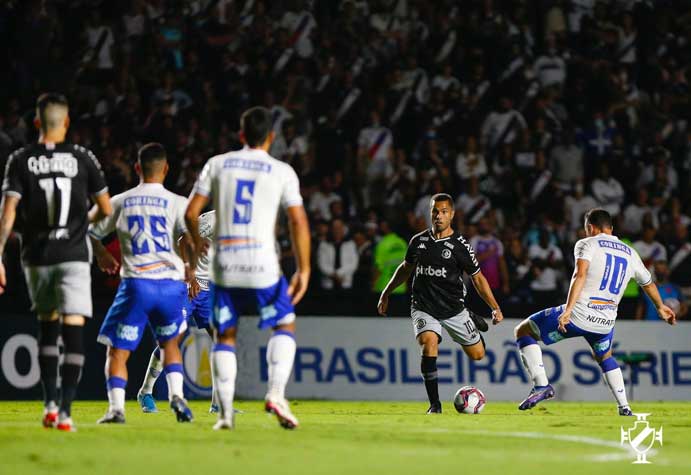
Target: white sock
column 116, row 399
column 174, row 380
column 532, row 358
column 615, row 380
column 224, row 367
column 280, row 354
column 152, row 374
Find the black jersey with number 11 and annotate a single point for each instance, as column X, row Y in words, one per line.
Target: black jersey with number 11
column 54, row 182
column 438, row 287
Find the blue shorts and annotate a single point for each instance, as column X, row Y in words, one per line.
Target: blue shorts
column 199, row 310
column 139, row 302
column 273, row 304
column 546, row 322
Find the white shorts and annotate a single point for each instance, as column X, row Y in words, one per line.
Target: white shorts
column 460, row 328
column 64, row 287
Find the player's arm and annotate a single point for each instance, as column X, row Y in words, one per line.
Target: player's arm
column 9, row 214
column 104, row 259
column 298, row 226
column 664, row 312
column 102, row 207
column 401, row 275
column 194, row 208
column 485, row 292
column 575, row 289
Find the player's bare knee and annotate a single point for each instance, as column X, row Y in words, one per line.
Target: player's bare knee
column 475, row 352
column 429, row 342
column 228, row 337
column 74, row 320
column 288, row 327
column 48, row 317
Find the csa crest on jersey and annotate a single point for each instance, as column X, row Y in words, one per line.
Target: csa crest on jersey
column 446, row 254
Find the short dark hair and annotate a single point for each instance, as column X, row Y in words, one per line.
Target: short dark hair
column 152, row 157
column 440, row 197
column 599, row 218
column 256, row 125
column 46, row 100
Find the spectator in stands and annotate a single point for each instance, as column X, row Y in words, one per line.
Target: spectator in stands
column 636, row 211
column 389, row 252
column 489, row 251
column 649, row 249
column 547, row 260
column 337, row 259
column 566, row 162
column 608, row 191
column 670, row 293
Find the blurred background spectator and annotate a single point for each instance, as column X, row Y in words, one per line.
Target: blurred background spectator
column 529, row 113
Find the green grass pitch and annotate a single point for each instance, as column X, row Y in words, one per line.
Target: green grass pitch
column 354, row 438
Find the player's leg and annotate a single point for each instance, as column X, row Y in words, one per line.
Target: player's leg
column 601, row 346
column 463, row 330
column 224, row 368
column 201, row 313
column 145, row 396
column 48, row 357
column 223, row 361
column 539, row 326
column 73, row 362
column 167, row 318
column 41, row 284
column 172, row 367
column 74, row 295
column 277, row 312
column 121, row 331
column 116, row 382
column 428, row 335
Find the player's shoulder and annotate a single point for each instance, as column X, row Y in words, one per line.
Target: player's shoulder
column 20, row 153
column 83, row 153
column 422, row 236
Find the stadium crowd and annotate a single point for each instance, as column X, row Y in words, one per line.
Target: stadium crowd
column 527, row 112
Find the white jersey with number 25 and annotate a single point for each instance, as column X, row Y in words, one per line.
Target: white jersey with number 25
column 148, row 219
column 247, row 188
column 612, row 265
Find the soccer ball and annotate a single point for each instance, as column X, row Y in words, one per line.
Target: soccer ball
column 469, row 400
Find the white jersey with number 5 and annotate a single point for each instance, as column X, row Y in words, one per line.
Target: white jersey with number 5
column 148, row 219
column 612, row 265
column 247, row 188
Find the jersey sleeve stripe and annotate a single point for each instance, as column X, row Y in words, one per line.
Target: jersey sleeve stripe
column 101, row 192
column 15, row 194
column 476, row 272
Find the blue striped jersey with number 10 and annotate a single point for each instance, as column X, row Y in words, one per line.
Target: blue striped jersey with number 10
column 148, row 219
column 612, row 265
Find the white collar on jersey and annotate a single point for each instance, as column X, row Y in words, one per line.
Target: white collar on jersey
column 151, row 185
column 431, row 234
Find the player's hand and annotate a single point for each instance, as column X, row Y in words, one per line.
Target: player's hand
column 193, row 289
column 667, row 314
column 383, row 304
column 107, row 263
column 497, row 316
column 298, row 285
column 3, row 278
column 564, row 320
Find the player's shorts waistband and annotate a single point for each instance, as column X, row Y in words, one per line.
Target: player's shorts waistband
column 203, row 283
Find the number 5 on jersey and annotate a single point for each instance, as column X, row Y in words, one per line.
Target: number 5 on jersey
column 242, row 209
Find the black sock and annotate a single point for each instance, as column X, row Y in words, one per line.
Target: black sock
column 73, row 339
column 48, row 354
column 429, row 374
